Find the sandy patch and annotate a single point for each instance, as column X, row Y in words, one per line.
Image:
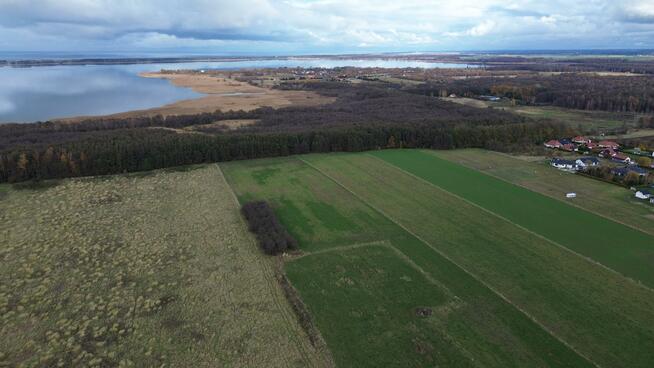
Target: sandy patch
column 222, row 93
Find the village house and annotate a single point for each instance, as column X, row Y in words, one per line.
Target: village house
column 585, row 162
column 607, row 153
column 609, row 144
column 621, row 158
column 553, row 144
column 563, row 164
column 568, row 147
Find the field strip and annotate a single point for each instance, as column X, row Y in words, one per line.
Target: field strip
column 281, row 303
column 547, row 195
column 533, row 319
column 389, row 245
column 588, row 259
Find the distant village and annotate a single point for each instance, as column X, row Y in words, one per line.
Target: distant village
column 607, row 160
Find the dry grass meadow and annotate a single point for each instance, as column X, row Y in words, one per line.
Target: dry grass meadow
column 143, row 270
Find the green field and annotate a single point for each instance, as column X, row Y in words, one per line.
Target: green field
column 607, row 242
column 513, row 297
column 147, row 270
column 612, row 201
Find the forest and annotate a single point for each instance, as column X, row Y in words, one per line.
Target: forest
column 364, row 117
column 577, row 91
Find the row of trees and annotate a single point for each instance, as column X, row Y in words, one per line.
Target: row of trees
column 629, row 180
column 273, row 238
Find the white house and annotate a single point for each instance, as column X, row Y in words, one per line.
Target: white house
column 585, row 162
column 571, row 195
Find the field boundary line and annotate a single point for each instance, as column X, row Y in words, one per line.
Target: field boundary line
column 469, row 273
column 340, row 248
column 398, row 253
column 543, row 194
column 586, row 258
column 291, row 323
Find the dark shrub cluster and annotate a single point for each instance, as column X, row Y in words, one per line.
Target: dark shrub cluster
column 272, row 236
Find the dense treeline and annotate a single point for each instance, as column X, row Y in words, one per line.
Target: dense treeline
column 273, row 238
column 599, row 64
column 139, row 150
column 362, row 118
column 577, row 91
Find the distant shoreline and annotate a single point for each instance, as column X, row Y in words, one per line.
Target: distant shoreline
column 28, row 63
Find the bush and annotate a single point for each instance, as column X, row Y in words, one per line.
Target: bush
column 273, row 238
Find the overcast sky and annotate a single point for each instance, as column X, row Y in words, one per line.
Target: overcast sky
column 322, row 26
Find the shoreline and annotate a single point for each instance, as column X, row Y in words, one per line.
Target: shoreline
column 220, row 92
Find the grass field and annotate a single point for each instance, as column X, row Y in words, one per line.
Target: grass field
column 514, row 297
column 608, row 200
column 143, row 270
column 614, row 245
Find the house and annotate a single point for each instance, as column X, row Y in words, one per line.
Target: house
column 581, row 140
column 621, row 158
column 553, row 144
column 563, row 164
column 571, row 195
column 609, row 144
column 565, row 141
column 585, row 162
column 607, row 153
column 568, row 147
column 592, row 145
column 643, row 194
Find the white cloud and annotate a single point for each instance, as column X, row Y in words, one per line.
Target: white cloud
column 251, row 25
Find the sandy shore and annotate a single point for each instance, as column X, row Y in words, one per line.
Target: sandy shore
column 228, row 94
column 221, row 93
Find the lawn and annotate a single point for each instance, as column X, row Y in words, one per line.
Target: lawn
column 517, row 296
column 619, row 247
column 142, row 270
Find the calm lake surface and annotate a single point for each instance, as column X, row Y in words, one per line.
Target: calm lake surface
column 42, row 93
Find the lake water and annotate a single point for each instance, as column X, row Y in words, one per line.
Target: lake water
column 42, row 93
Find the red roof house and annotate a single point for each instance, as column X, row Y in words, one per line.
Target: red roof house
column 568, row 147
column 553, row 144
column 609, row 144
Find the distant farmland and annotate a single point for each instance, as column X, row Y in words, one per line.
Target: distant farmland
column 413, row 260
